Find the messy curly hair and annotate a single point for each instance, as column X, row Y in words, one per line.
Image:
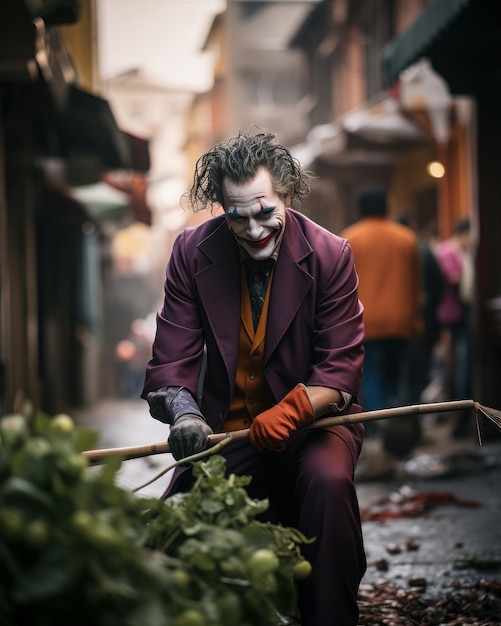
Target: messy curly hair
column 239, row 159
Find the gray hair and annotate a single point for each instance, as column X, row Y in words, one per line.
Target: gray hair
column 239, row 159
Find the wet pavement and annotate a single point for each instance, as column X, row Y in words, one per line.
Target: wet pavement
column 437, row 518
column 441, row 506
column 127, row 423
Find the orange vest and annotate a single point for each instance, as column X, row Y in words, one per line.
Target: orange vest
column 252, row 394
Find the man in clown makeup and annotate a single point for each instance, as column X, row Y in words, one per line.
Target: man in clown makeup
column 261, row 313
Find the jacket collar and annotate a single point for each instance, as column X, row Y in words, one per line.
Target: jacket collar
column 218, row 282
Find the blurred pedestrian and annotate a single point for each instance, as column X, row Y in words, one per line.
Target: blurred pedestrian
column 133, row 354
column 273, row 298
column 389, row 268
column 418, row 367
column 454, row 313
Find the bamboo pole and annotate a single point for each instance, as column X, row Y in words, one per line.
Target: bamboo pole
column 133, row 452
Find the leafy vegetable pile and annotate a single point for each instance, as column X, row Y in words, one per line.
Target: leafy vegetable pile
column 75, row 547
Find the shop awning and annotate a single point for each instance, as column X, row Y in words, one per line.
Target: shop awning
column 439, row 16
column 84, row 134
column 135, row 185
column 372, row 134
column 55, row 12
column 101, row 201
column 88, row 125
column 17, row 44
column 139, row 149
column 381, row 123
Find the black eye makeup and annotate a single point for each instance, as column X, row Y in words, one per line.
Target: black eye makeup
column 234, row 216
column 266, row 211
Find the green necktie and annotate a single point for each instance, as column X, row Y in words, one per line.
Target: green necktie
column 258, row 276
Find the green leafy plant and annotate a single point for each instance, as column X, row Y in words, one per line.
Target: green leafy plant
column 76, row 546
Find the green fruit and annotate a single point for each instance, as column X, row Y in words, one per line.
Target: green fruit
column 36, row 533
column 38, row 448
column 301, row 570
column 72, row 467
column 95, row 531
column 104, row 535
column 11, row 524
column 263, row 562
column 13, row 431
column 230, row 610
column 181, row 578
column 233, row 566
column 82, row 521
column 190, row 617
column 62, row 423
column 38, row 462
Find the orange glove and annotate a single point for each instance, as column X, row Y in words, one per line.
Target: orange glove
column 271, row 429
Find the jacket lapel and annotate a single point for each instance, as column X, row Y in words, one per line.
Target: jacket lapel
column 218, row 283
column 291, row 283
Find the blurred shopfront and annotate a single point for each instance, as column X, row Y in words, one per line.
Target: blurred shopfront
column 460, row 39
column 415, row 108
column 55, row 137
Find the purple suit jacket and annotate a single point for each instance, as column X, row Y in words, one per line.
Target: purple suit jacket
column 314, row 332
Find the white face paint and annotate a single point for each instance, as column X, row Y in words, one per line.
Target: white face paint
column 255, row 214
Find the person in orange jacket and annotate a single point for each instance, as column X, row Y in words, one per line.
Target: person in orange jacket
column 388, row 264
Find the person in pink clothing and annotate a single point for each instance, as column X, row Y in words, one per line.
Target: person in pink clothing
column 451, row 254
column 454, row 313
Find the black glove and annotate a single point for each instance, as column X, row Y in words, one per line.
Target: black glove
column 189, row 434
column 159, row 402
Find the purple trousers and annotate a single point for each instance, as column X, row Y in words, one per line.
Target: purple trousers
column 310, row 487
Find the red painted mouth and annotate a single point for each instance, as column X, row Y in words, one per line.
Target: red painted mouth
column 262, row 243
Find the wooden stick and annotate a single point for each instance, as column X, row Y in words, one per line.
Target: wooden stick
column 398, row 411
column 134, row 452
column 162, row 447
